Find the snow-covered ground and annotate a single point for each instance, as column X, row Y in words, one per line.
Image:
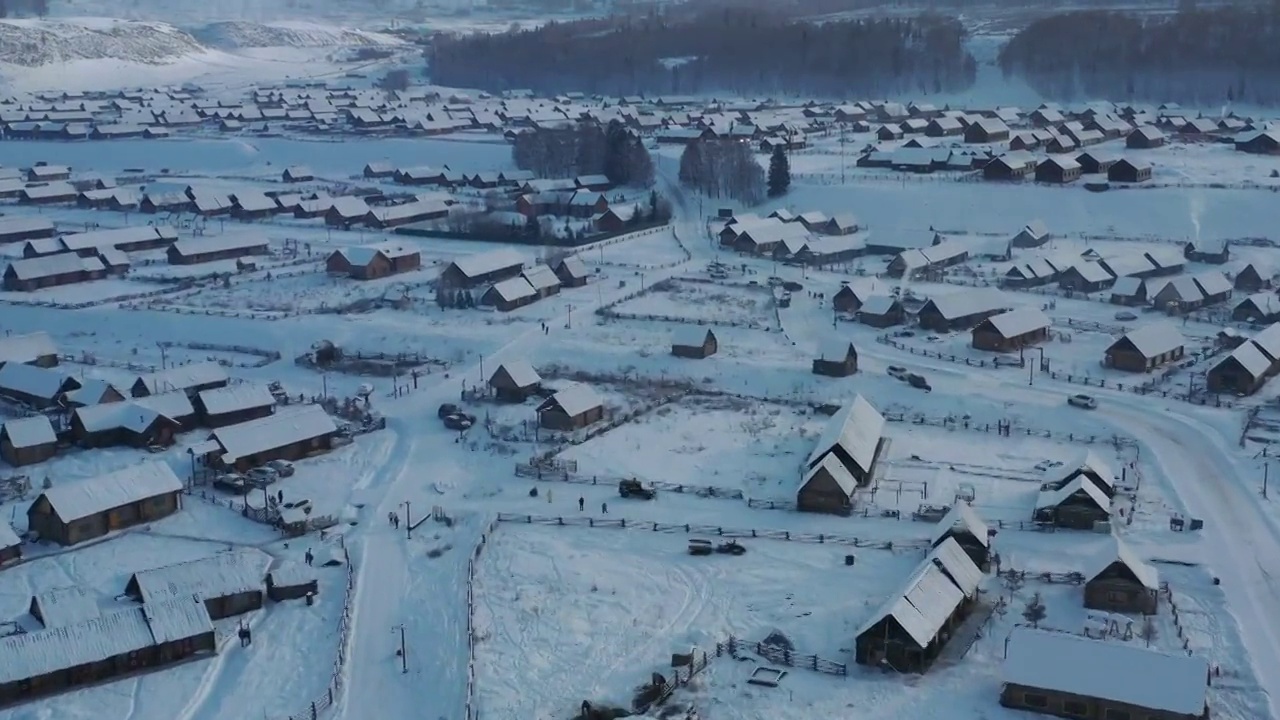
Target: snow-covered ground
column 573, row 612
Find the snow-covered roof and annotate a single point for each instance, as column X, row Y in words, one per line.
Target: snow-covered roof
column 961, row 518
column 1250, row 357
column 1018, row 322
column 65, row 606
column 541, row 277
column 1108, row 670
column 110, row 238
column 877, row 305
column 31, row 655
column 84, row 498
column 575, row 267
column 207, row 244
column 90, row 392
column 923, row 606
column 349, row 207
column 1128, row 265
column 183, row 377
column 284, row 428
column 19, row 224
column 512, row 289
column 963, row 303
column 1054, row 498
column 31, row 380
column 1213, row 283
column 857, row 427
column 521, row 373
column 234, row 398
column 292, row 574
column 30, row 431
column 26, row 348
column 1118, row 551
column 1092, row 271
column 473, row 266
column 1268, row 341
column 50, row 265
column 689, row 335
column 227, row 573
column 958, row 565
column 835, row 349
column 838, row 472
column 173, row 404
column 1127, row 286
column 409, row 211
column 1155, row 339
column 575, row 399
column 1089, row 462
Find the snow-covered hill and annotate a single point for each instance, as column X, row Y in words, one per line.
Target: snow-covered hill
column 36, row 43
column 239, row 34
column 32, row 43
column 183, row 12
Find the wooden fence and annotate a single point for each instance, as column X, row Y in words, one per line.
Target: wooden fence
column 715, row 531
column 329, row 697
column 473, row 709
column 561, row 474
column 790, row 658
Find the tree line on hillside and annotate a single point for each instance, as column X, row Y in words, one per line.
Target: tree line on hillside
column 18, row 8
column 740, row 51
column 584, row 149
column 1195, row 56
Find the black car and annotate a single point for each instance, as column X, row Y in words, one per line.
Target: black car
column 918, row 381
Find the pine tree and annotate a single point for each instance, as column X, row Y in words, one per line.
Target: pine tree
column 532, row 229
column 1035, row 611
column 691, row 165
column 779, row 173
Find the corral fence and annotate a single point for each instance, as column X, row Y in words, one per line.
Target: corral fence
column 329, row 697
column 789, row 657
column 715, row 531
column 563, row 474
column 473, row 710
column 953, row 423
column 1047, row 577
column 599, row 245
column 947, row 357
column 611, row 314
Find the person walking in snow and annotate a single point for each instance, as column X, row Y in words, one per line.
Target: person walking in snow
column 309, row 557
column 581, row 503
column 391, row 518
column 604, row 508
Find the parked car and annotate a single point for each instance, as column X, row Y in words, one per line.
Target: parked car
column 283, row 468
column 459, row 421
column 231, row 482
column 446, row 410
column 897, row 371
column 262, row 476
column 1126, row 315
column 1086, row 402
column 919, row 381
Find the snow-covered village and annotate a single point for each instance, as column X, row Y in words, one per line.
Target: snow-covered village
column 331, row 389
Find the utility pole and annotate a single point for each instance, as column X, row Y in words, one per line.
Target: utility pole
column 1266, row 468
column 164, row 355
column 408, row 522
column 404, row 651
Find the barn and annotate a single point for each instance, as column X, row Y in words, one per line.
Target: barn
column 962, row 524
column 961, row 309
column 296, row 174
column 35, row 348
column 193, row 251
column 881, row 311
column 1070, row 676
column 855, row 436
column 827, row 487
column 1116, row 580
column 543, row 280
column 370, row 262
column 1262, row 308
column 234, row 404
column 510, row 294
column 1086, row 277
column 20, row 229
column 27, row 441
column 1145, row 138
column 290, row 434
column 695, row 342
column 1012, row 330
column 31, row 274
column 63, row 607
column 1252, row 279
column 836, row 358
column 571, row 271
column 229, row 583
column 1146, row 348
column 114, row 644
column 475, row 270
column 71, row 513
column 191, row 379
column 1058, row 170
column 846, row 300
column 908, row 632
column 1078, row 505
column 515, row 381
column 122, row 424
column 1129, row 171
column 573, row 407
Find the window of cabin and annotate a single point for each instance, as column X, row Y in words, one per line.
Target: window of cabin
column 1033, row 700
column 1075, row 708
column 1114, row 714
column 1116, row 596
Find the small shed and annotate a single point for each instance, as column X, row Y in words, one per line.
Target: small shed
column 1012, row 330
column 234, row 404
column 571, row 408
column 571, row 271
column 1251, row 279
column 1146, row 348
column 881, row 311
column 1033, row 234
column 827, row 487
column 694, row 341
column 847, row 300
column 296, row 174
column 1116, row 580
column 836, row 358
column 962, row 524
column 515, row 381
column 27, row 441
column 291, row 581
column 1078, row 505
column 35, row 348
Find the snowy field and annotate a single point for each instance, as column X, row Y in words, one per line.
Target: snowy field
column 550, row 598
